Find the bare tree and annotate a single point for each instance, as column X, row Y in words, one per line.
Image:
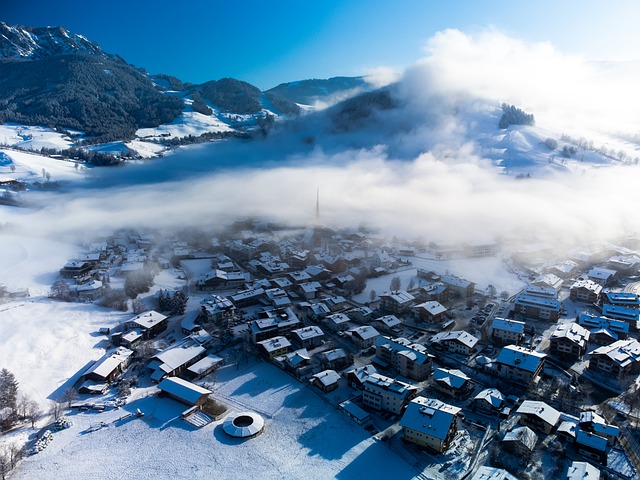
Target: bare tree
column 33, row 412
column 55, row 409
column 395, row 284
column 70, row 395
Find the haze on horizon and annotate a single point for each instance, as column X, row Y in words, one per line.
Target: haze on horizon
column 417, row 171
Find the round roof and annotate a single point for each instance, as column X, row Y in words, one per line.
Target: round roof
column 243, row 425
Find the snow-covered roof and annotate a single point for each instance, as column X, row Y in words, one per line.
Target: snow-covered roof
column 582, row 471
column 109, row 362
column 451, row 377
column 429, row 416
column 591, row 440
column 390, row 321
column 389, row 385
column 538, row 302
column 620, row 312
column 306, row 333
column 180, row 353
column 327, row 377
column 622, row 352
column 365, row 332
column 588, row 285
column 334, row 354
column 491, row 396
column 456, row 281
column 541, row 410
column 522, row 435
column 432, row 307
column 520, row 357
column 402, row 346
column 492, row 473
column 398, row 296
column 571, row 331
column 187, row 391
column 507, row 325
column 205, row 364
column 459, row 336
column 148, row 319
column 275, row 343
column 243, row 425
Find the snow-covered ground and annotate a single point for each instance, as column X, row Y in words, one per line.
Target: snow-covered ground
column 33, row 137
column 189, row 123
column 303, row 438
column 31, row 167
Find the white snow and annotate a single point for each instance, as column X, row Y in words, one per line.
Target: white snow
column 189, row 123
column 33, row 137
column 29, row 167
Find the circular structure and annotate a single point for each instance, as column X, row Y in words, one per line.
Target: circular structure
column 243, row 425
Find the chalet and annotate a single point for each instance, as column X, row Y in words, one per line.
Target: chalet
column 568, row 342
column 542, row 308
column 460, row 342
column 430, row 423
column 389, row 323
column 337, row 322
column 294, row 361
column 317, row 272
column 617, row 360
column 591, row 446
column 437, row 291
column 452, row 382
column 309, row 290
column 407, row 359
column 459, row 287
column 382, row 259
column 184, row 391
column 273, row 347
column 388, row 394
column 363, row 336
column 217, row 308
column 336, row 359
column 283, row 283
column 586, row 291
column 520, row 441
column 594, row 423
column 506, row 331
column 335, row 302
column 356, row 376
column 539, row 291
column 318, row 312
column 75, row 269
column 432, row 312
column 548, row 280
column 308, row 337
column 360, row 314
column 539, row 416
column 624, row 264
column 176, row 359
column 564, row 269
column 222, row 280
column 277, row 297
column 89, row 291
column 602, row 276
column 110, row 366
column 489, row 400
column 151, row 323
column 582, row 471
column 621, row 299
column 519, row 365
column 396, row 302
column 327, row 380
column 492, row 473
column 298, row 277
column 272, row 323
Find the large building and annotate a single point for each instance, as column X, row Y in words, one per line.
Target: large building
column 619, row 359
column 407, row 359
column 537, row 307
column 385, row 393
column 568, row 342
column 506, row 331
column 519, row 365
column 460, row 342
column 430, row 423
column 272, row 323
column 396, row 302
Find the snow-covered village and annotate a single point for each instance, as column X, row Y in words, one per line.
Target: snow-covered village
column 334, row 350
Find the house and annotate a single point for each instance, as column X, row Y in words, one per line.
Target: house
column 277, row 297
column 272, row 323
column 430, row 423
column 538, row 307
column 505, row 331
column 308, row 337
column 540, row 291
column 489, row 400
column 591, row 446
column 396, row 302
column 452, row 382
column 432, row 312
column 615, row 329
column 222, row 280
column 75, row 269
column 594, row 423
column 519, row 365
column 336, row 359
column 539, row 416
column 624, row 264
column 602, row 276
column 356, row 376
column 184, row 391
column 586, row 291
column 389, row 323
column 337, row 322
column 295, row 361
column 299, row 277
column 492, row 473
column 480, row 249
column 205, row 366
column 363, row 336
column 89, row 291
column 548, row 280
column 459, row 287
column 459, row 342
column 274, row 347
column 327, row 380
column 582, row 471
column 388, row 394
column 176, row 359
column 408, row 359
column 336, row 302
column 247, row 297
column 110, row 366
column 283, row 283
column 520, row 441
column 564, row 269
column 189, row 323
column 354, row 412
column 437, row 291
column 317, row 311
column 617, row 360
column 217, row 308
column 151, row 323
column 568, row 342
column 309, row 290
column 360, row 314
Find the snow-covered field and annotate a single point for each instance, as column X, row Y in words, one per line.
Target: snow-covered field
column 189, row 123
column 303, row 438
column 33, row 137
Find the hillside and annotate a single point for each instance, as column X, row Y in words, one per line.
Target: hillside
column 310, row 92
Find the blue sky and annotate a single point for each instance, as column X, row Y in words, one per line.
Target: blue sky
column 270, row 42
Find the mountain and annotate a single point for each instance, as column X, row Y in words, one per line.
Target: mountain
column 310, row 92
column 31, row 43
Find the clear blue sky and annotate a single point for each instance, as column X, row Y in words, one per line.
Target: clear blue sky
column 270, row 42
